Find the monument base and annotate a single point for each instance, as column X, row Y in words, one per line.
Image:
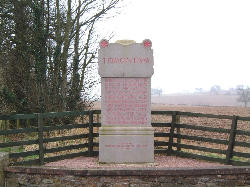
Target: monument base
column 126, row 144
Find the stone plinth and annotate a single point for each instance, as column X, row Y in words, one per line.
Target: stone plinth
column 126, row 144
column 126, row 135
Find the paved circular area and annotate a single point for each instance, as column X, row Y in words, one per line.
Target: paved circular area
column 161, row 161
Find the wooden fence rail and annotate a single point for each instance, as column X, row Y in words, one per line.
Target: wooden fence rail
column 171, row 130
column 228, row 156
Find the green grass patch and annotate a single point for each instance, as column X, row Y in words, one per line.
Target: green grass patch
column 236, row 158
column 214, row 155
column 6, row 149
column 14, row 149
column 32, row 157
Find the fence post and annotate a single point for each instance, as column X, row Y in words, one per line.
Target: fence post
column 178, row 132
column 18, row 123
column 229, row 153
column 90, row 138
column 98, row 118
column 27, row 123
column 171, row 136
column 40, row 139
column 5, row 127
column 1, row 128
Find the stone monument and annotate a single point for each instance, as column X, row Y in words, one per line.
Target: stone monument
column 126, row 134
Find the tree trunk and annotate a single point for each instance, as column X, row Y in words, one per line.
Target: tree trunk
column 65, row 54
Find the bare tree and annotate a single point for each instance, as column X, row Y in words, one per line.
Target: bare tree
column 244, row 95
column 47, row 52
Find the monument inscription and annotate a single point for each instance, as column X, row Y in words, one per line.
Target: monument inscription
column 126, row 60
column 126, row 133
column 125, row 101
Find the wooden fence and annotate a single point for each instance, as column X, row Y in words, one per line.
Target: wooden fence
column 172, row 131
column 41, row 140
column 231, row 156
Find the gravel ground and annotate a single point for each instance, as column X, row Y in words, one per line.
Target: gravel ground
column 160, row 162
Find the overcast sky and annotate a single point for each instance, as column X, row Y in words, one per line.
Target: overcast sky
column 196, row 43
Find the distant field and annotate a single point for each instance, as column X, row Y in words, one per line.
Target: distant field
column 213, row 104
column 193, row 100
column 220, row 110
column 197, row 100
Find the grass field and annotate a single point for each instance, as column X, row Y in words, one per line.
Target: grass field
column 197, row 100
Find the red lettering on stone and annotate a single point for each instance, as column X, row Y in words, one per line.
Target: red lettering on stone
column 126, row 101
column 126, row 60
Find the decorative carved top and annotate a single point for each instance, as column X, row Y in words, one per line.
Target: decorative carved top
column 104, row 43
column 147, row 43
column 125, row 58
column 125, row 42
